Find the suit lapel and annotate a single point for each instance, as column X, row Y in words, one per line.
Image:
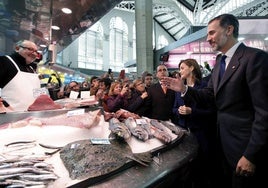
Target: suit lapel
column 231, row 68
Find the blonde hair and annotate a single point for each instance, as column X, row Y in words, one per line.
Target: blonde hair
column 135, row 82
column 113, row 85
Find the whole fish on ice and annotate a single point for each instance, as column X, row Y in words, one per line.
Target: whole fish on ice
column 83, row 159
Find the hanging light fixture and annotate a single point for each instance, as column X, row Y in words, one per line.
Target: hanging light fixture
column 66, row 10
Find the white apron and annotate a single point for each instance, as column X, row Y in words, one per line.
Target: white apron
column 19, row 91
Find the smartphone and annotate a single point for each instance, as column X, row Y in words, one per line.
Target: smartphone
column 122, row 74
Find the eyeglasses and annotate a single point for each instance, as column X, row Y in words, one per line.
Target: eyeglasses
column 30, row 49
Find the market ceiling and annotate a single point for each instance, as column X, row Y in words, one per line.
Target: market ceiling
column 191, row 4
column 32, row 19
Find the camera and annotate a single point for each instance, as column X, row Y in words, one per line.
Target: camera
column 109, row 71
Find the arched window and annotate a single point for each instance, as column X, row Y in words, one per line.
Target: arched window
column 90, row 48
column 118, row 43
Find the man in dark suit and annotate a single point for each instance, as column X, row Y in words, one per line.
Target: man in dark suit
column 241, row 98
column 160, row 99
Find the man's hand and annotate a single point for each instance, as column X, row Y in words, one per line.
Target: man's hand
column 245, row 167
column 176, row 84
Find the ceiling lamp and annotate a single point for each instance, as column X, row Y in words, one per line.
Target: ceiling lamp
column 54, row 27
column 66, row 10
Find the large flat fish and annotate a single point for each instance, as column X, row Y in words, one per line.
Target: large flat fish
column 86, row 120
column 83, row 159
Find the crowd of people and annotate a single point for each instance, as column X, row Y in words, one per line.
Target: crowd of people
column 227, row 114
column 114, row 94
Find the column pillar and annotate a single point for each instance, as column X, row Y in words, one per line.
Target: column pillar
column 144, row 35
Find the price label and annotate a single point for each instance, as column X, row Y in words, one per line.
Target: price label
column 100, row 141
column 76, row 112
column 40, row 91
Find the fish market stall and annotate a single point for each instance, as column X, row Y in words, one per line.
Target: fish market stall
column 57, row 142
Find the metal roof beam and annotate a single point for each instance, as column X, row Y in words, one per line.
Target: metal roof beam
column 168, row 20
column 178, row 31
column 165, row 29
column 161, row 14
column 169, row 28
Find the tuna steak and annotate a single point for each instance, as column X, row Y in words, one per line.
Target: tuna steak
column 43, row 102
column 83, row 159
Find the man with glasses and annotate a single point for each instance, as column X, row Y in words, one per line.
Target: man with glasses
column 18, row 78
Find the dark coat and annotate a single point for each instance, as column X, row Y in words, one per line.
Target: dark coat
column 201, row 122
column 242, row 103
column 136, row 104
column 160, row 104
column 199, row 116
column 116, row 102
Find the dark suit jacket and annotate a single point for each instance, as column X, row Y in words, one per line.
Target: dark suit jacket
column 160, row 104
column 242, row 103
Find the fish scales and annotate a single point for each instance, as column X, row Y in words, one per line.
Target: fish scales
column 174, row 128
column 119, row 129
column 138, row 131
column 88, row 161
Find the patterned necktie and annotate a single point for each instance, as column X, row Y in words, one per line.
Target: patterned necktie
column 164, row 89
column 222, row 66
